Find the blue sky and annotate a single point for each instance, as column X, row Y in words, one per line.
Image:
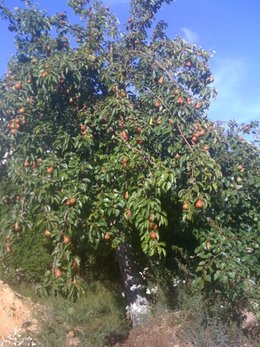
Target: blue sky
column 229, row 27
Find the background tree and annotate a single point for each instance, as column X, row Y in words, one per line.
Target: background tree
column 110, row 146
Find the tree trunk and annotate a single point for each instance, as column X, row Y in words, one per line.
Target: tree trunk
column 138, row 307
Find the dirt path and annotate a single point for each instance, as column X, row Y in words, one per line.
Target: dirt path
column 15, row 312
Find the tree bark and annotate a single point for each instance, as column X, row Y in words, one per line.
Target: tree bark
column 138, row 307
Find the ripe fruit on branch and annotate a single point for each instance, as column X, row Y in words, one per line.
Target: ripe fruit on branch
column 170, row 121
column 71, row 201
column 161, row 80
column 180, row 100
column 126, row 195
column 206, row 148
column 57, row 272
column 185, row 206
column 138, row 130
column 44, row 74
column 107, row 236
column 177, row 156
column 79, row 40
column 113, row 89
column 198, row 105
column 194, row 139
column 33, row 166
column 130, row 20
column 140, row 141
column 47, row 233
column 71, row 101
column 128, row 214
column 151, row 225
column 188, row 64
column 202, row 132
column 26, row 164
column 66, row 239
column 199, row 204
column 12, row 124
column 17, row 227
column 50, row 170
column 23, row 121
column 157, row 103
column 18, row 85
column 210, row 79
column 124, row 135
column 188, row 101
column 159, row 121
column 21, row 110
column 153, row 235
column 124, row 162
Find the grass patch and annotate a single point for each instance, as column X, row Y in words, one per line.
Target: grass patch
column 87, row 322
column 208, row 321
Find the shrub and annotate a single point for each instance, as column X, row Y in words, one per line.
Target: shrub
column 29, row 259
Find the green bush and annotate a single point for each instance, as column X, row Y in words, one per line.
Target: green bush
column 208, row 320
column 29, row 259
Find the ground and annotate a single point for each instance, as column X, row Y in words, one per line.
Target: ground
column 15, row 314
column 18, row 326
column 17, row 317
column 160, row 331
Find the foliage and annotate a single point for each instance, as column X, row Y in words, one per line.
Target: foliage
column 108, row 141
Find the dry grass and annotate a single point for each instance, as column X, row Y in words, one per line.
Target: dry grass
column 87, row 322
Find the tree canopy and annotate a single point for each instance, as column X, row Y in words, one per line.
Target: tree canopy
column 109, row 143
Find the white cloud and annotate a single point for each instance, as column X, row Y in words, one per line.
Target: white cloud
column 190, row 35
column 229, row 72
